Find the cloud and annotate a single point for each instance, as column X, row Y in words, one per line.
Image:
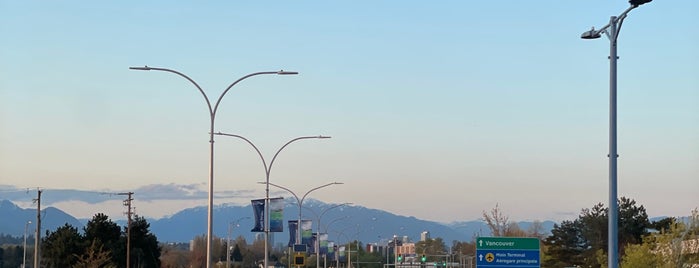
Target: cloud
column 151, row 192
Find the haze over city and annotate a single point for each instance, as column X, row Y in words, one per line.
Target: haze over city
column 436, row 110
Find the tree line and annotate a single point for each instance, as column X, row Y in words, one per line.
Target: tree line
column 101, row 244
column 583, row 242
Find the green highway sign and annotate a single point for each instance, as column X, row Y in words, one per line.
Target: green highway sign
column 507, row 243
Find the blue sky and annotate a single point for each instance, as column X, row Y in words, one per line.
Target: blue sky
column 456, row 104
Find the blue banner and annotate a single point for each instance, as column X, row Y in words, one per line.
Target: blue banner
column 276, row 211
column 498, row 258
column 258, row 209
column 292, row 232
column 312, row 249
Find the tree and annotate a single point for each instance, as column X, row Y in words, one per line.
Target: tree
column 463, row 248
column 565, row 245
column 663, row 224
column 174, row 256
column 11, row 256
column 639, row 256
column 584, row 241
column 145, row 250
column 60, row 248
column 103, row 233
column 671, row 247
column 95, row 257
column 198, row 252
column 633, row 222
column 236, row 256
column 496, row 221
column 431, row 246
column 536, row 230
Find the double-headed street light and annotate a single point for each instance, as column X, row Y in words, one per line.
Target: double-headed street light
column 268, row 170
column 212, row 117
column 300, row 203
column 318, row 217
column 612, row 32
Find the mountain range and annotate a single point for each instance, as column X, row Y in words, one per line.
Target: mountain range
column 342, row 223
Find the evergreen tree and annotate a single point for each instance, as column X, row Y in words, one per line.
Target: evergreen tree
column 60, row 248
column 565, row 245
column 584, row 241
column 105, row 234
column 145, row 250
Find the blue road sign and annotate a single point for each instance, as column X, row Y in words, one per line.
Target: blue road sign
column 507, row 252
column 489, row 258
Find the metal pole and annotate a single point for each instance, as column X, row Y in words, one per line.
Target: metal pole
column 228, row 247
column 212, row 117
column 612, row 32
column 37, row 236
column 268, row 171
column 613, row 257
column 318, row 217
column 299, row 201
column 24, row 258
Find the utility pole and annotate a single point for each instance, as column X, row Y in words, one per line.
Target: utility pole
column 37, row 236
column 129, row 212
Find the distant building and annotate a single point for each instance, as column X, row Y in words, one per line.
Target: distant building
column 424, row 236
column 407, row 249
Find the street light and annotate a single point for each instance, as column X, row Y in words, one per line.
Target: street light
column 268, row 170
column 300, row 203
column 24, row 258
column 228, row 243
column 325, row 260
column 212, row 116
column 612, row 32
column 349, row 248
column 317, row 243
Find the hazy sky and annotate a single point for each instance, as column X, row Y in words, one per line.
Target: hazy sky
column 437, row 109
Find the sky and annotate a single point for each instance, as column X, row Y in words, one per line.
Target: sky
column 437, row 110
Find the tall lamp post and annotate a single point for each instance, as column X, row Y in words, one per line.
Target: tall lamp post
column 325, row 261
column 268, row 170
column 24, row 257
column 612, row 32
column 212, row 116
column 318, row 217
column 300, row 203
column 349, row 245
column 228, row 243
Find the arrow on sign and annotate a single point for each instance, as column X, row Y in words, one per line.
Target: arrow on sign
column 480, row 257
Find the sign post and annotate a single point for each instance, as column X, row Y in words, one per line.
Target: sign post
column 507, row 252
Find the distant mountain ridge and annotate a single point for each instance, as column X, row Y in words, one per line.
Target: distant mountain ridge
column 343, row 224
column 15, row 218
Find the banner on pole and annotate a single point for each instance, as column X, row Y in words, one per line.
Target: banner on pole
column 276, row 217
column 307, row 233
column 341, row 254
column 331, row 251
column 292, row 232
column 313, row 242
column 258, row 210
column 323, row 242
